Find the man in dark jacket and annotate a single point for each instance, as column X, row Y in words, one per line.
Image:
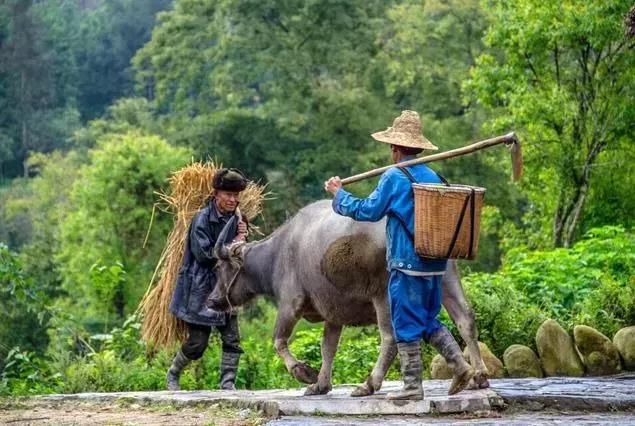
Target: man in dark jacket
column 197, row 279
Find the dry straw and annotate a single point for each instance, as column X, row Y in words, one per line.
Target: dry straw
column 190, row 188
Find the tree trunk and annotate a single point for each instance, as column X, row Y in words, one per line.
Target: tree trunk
column 558, row 220
column 120, row 301
column 569, row 209
column 25, row 140
column 574, row 218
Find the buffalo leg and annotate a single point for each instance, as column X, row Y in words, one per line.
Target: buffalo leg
column 458, row 308
column 330, row 340
column 387, row 350
column 286, row 320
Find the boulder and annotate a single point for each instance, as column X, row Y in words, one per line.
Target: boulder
column 521, row 361
column 556, row 351
column 493, row 364
column 439, row 369
column 599, row 354
column 624, row 340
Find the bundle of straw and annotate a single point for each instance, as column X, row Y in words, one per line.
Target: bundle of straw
column 190, row 188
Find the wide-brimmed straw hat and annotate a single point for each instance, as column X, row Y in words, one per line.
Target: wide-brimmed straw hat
column 405, row 131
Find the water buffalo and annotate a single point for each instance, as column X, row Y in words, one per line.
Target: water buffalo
column 324, row 267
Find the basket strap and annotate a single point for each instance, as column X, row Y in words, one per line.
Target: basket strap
column 403, row 222
column 408, row 174
column 459, row 224
column 442, row 179
column 413, row 180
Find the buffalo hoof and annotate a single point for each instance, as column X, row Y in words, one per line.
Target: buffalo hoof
column 362, row 390
column 304, row 373
column 315, row 389
column 479, row 381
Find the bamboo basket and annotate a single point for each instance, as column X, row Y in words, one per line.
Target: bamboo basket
column 447, row 220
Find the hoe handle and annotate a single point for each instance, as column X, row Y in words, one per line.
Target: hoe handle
column 508, row 139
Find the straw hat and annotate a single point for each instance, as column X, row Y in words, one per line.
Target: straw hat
column 405, row 131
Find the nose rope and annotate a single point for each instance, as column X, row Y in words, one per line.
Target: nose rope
column 238, row 262
column 229, row 287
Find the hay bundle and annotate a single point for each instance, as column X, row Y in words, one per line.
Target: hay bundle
column 190, row 189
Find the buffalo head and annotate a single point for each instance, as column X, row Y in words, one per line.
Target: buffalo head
column 229, row 290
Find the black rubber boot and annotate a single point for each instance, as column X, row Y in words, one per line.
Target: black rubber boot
column 228, row 369
column 174, row 373
column 444, row 342
column 411, row 369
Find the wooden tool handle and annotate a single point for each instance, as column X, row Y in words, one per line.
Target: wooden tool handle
column 509, row 138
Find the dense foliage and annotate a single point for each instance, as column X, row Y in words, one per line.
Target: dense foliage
column 592, row 283
column 101, row 100
column 563, row 74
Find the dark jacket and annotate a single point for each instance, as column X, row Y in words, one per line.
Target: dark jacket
column 196, row 278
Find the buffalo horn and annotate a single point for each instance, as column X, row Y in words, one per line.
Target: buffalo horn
column 220, row 249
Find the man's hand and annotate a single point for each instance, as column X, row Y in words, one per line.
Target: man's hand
column 242, row 232
column 333, row 185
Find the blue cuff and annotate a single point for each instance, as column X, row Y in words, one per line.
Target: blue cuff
column 337, row 200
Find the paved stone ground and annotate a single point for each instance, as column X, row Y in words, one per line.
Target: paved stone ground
column 293, row 402
column 484, row 419
column 568, row 393
column 508, row 401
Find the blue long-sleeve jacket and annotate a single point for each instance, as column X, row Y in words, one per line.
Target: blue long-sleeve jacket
column 393, row 198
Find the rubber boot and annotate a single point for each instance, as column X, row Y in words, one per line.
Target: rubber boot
column 444, row 342
column 174, row 373
column 411, row 369
column 228, row 369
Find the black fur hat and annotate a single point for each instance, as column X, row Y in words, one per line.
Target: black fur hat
column 229, row 180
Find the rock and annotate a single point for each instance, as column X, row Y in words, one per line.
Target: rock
column 624, row 340
column 599, row 354
column 439, row 369
column 557, row 353
column 493, row 364
column 521, row 361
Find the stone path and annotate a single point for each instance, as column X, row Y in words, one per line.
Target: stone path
column 597, row 394
column 485, row 419
column 568, row 393
column 292, row 402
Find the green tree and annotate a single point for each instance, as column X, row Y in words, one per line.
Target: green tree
column 297, row 70
column 124, row 115
column 43, row 206
column 112, row 200
column 291, row 90
column 35, row 86
column 22, row 307
column 110, row 34
column 563, row 75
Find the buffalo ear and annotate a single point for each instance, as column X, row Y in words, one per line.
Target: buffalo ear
column 220, row 249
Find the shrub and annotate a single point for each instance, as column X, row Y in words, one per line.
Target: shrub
column 591, row 283
column 26, row 374
column 609, row 307
column 504, row 315
column 23, row 310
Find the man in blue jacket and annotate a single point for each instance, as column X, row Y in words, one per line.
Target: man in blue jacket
column 414, row 287
column 196, row 281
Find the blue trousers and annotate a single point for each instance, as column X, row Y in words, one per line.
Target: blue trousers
column 415, row 303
